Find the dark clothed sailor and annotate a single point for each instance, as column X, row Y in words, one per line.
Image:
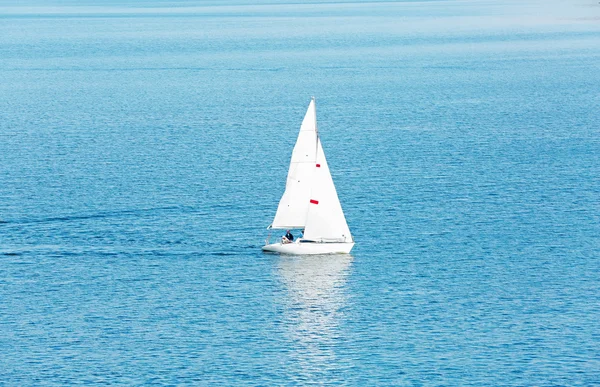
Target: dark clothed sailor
column 289, row 236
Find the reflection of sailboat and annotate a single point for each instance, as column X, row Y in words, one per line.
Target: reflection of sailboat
column 313, row 309
column 310, row 201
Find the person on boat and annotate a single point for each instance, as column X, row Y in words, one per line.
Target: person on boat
column 288, row 238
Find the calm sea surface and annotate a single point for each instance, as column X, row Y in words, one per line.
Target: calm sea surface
column 144, row 147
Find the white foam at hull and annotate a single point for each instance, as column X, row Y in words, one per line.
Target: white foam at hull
column 309, row 248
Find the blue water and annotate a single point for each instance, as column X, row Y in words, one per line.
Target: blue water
column 144, row 147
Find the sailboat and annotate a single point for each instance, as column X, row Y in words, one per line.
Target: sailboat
column 310, row 201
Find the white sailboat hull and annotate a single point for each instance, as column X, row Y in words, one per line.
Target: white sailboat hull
column 299, row 248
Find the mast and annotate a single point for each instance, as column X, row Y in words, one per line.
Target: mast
column 316, row 128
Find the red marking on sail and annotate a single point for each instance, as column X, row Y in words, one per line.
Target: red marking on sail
column 318, row 165
column 314, row 201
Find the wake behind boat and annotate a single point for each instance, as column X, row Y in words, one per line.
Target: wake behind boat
column 310, row 201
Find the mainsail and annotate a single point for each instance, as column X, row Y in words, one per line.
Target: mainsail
column 293, row 206
column 310, row 200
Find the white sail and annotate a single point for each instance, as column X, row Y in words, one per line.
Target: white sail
column 325, row 220
column 293, row 206
column 310, row 200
